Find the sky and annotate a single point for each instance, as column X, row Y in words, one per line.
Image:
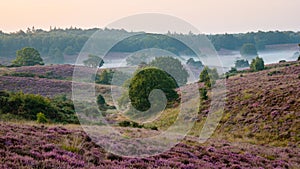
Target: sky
column 208, row 16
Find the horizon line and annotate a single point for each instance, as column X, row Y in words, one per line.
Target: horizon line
column 52, row 28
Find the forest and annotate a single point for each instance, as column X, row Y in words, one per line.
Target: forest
column 57, row 43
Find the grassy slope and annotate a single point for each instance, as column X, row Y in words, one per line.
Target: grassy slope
column 262, row 111
column 261, row 108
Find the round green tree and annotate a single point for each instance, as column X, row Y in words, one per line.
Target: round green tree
column 248, row 50
column 28, row 57
column 145, row 81
column 93, row 61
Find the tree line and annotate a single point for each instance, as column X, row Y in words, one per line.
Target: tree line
column 57, row 43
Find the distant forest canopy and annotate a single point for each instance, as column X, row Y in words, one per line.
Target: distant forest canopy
column 59, row 42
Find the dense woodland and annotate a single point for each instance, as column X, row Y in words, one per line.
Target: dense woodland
column 57, row 43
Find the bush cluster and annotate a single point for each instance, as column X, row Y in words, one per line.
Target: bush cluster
column 133, row 124
column 30, row 107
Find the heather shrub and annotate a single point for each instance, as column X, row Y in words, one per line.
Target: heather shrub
column 41, row 118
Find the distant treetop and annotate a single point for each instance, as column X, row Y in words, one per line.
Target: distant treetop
column 248, row 50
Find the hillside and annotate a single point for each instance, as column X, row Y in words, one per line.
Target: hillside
column 259, row 128
column 48, row 81
column 261, row 108
column 58, row 147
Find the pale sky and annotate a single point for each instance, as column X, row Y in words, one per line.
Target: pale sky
column 209, row 16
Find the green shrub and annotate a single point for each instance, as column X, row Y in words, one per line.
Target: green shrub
column 27, row 106
column 125, row 123
column 41, row 118
column 105, row 77
column 257, row 64
column 153, row 128
column 100, row 100
column 203, row 93
column 136, row 125
column 209, row 76
column 22, row 74
column 130, row 124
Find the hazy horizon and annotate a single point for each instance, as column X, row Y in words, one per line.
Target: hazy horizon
column 209, row 16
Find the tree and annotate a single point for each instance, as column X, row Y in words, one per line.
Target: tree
column 241, row 63
column 146, row 80
column 248, row 50
column 93, row 61
column 196, row 64
column 257, row 64
column 208, row 76
column 173, row 67
column 28, row 57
